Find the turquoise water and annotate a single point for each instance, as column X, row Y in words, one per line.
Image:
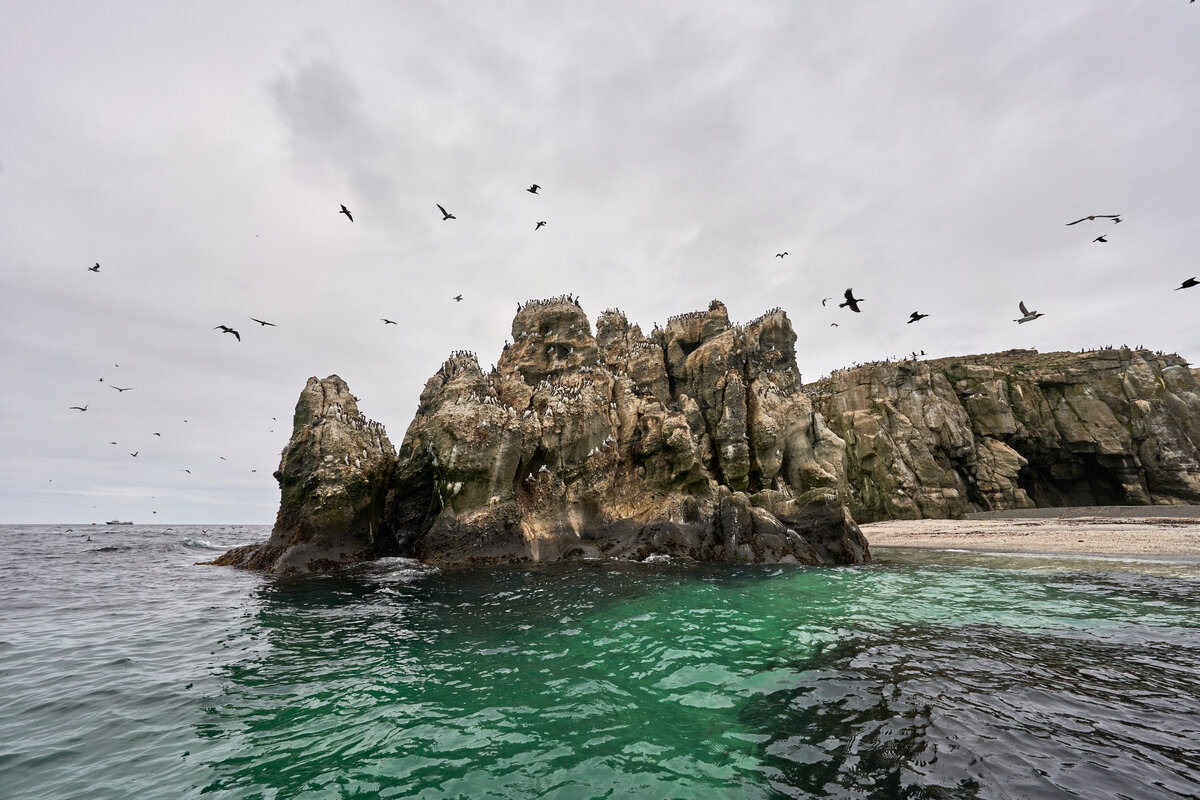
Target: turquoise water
column 127, row 671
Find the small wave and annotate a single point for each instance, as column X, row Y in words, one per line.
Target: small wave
column 656, row 558
column 397, row 568
column 200, row 544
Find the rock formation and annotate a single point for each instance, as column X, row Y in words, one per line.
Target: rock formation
column 693, row 442
column 700, row 441
column 1017, row 429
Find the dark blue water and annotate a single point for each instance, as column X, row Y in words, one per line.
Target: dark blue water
column 128, row 671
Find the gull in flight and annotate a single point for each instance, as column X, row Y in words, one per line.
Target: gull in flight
column 119, row 389
column 1116, row 217
column 851, row 302
column 457, row 298
column 346, row 211
column 264, row 323
column 95, row 268
column 1026, row 314
column 445, row 214
column 387, row 321
column 134, row 453
column 781, row 255
column 823, row 299
column 227, row 329
column 1100, row 239
column 79, row 408
column 540, row 224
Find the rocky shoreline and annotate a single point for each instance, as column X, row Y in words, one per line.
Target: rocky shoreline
column 700, row 441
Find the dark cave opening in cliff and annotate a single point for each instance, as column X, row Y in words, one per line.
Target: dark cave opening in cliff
column 1074, row 479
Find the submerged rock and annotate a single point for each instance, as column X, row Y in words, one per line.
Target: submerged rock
column 694, row 442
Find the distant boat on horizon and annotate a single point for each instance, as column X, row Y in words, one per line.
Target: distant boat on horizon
column 117, row 522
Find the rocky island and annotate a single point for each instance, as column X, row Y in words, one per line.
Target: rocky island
column 699, row 441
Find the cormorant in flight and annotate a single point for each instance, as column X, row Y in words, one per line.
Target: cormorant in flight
column 916, row 317
column 540, row 224
column 1100, row 239
column 95, row 268
column 851, row 302
column 533, row 188
column 1190, row 282
column 1026, row 314
column 458, row 297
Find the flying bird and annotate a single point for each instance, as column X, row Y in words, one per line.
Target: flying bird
column 188, row 471
column 851, row 302
column 112, row 442
column 346, row 211
column 833, row 324
column 916, row 317
column 1026, row 314
column 78, row 408
column 540, row 224
column 1100, row 239
column 227, row 329
column 95, row 268
column 823, row 299
column 134, row 453
column 1095, row 216
column 533, row 189
column 158, row 434
column 264, row 323
column 458, row 298
column 387, row 321
column 1190, row 282
column 445, row 214
column 781, row 255
column 119, row 389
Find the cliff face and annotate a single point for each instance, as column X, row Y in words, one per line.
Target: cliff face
column 1016, row 430
column 695, row 442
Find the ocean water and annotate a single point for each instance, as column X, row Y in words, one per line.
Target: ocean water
column 128, row 671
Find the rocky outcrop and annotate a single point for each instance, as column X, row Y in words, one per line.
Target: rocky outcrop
column 692, row 442
column 1016, row 430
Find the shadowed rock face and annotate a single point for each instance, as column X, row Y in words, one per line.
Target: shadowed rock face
column 1016, row 430
column 694, row 442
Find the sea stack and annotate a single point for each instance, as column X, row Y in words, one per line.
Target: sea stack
column 695, row 442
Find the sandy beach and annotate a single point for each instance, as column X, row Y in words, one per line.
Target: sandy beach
column 1116, row 530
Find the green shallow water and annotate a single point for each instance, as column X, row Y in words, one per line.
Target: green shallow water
column 128, row 671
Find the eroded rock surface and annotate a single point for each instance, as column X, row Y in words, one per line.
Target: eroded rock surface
column 1016, row 430
column 693, row 442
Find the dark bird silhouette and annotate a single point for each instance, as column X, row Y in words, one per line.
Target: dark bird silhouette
column 387, row 321
column 119, row 389
column 222, row 458
column 158, row 434
column 833, row 324
column 188, row 471
column 781, row 255
column 851, row 302
column 533, row 188
column 346, row 211
column 1189, row 283
column 458, row 298
column 1095, row 216
column 445, row 214
column 78, row 408
column 1118, row 219
column 112, row 442
column 540, row 224
column 1100, row 239
column 1026, row 314
column 916, row 317
column 134, row 453
column 227, row 329
column 264, row 323
column 95, row 268
column 825, row 299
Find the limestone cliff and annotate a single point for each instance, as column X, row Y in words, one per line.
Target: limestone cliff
column 1015, row 430
column 695, row 441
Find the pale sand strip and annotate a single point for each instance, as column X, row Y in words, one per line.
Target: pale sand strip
column 1150, row 536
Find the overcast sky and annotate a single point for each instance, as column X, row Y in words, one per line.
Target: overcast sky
column 928, row 154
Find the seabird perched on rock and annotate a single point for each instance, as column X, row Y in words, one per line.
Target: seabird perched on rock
column 95, row 268
column 533, row 188
column 119, row 389
column 346, row 211
column 1189, row 283
column 264, row 323
column 540, row 224
column 445, row 214
column 387, row 321
column 1026, row 314
column 916, row 317
column 851, row 302
column 1095, row 216
column 78, row 408
column 227, row 329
